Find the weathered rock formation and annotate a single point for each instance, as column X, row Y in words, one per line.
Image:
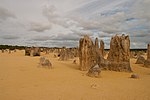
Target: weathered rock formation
column 119, row 54
column 88, row 54
column 101, row 48
column 118, row 57
column 147, row 62
column 140, row 60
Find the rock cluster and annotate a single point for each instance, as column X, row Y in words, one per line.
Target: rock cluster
column 118, row 57
column 34, row 51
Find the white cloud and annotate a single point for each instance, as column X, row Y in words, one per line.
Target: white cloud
column 54, row 20
column 50, row 12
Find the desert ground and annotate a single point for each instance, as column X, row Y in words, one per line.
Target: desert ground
column 22, row 79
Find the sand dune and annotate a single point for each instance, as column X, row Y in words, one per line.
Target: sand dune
column 21, row 79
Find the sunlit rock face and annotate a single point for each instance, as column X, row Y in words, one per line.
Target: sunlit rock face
column 101, row 49
column 119, row 54
column 88, row 54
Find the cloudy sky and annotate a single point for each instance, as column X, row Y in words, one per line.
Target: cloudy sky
column 57, row 23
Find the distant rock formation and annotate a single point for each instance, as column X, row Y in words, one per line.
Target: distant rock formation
column 27, row 51
column 66, row 54
column 140, row 60
column 119, row 54
column 147, row 62
column 33, row 51
column 2, row 50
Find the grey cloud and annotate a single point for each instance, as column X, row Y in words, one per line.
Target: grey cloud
column 141, row 9
column 5, row 14
column 136, row 45
column 68, row 43
column 140, row 39
column 82, row 32
column 116, row 20
column 141, row 34
column 50, row 12
column 108, row 25
column 95, row 21
column 10, row 37
column 103, row 34
column 59, row 37
column 40, row 38
column 67, row 37
column 53, row 43
column 39, row 27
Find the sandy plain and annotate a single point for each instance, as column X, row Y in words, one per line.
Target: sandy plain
column 21, row 79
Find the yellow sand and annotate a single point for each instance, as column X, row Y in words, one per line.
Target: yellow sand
column 20, row 79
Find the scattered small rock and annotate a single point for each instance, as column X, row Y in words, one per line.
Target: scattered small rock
column 94, row 71
column 75, row 61
column 45, row 63
column 94, row 86
column 135, row 76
